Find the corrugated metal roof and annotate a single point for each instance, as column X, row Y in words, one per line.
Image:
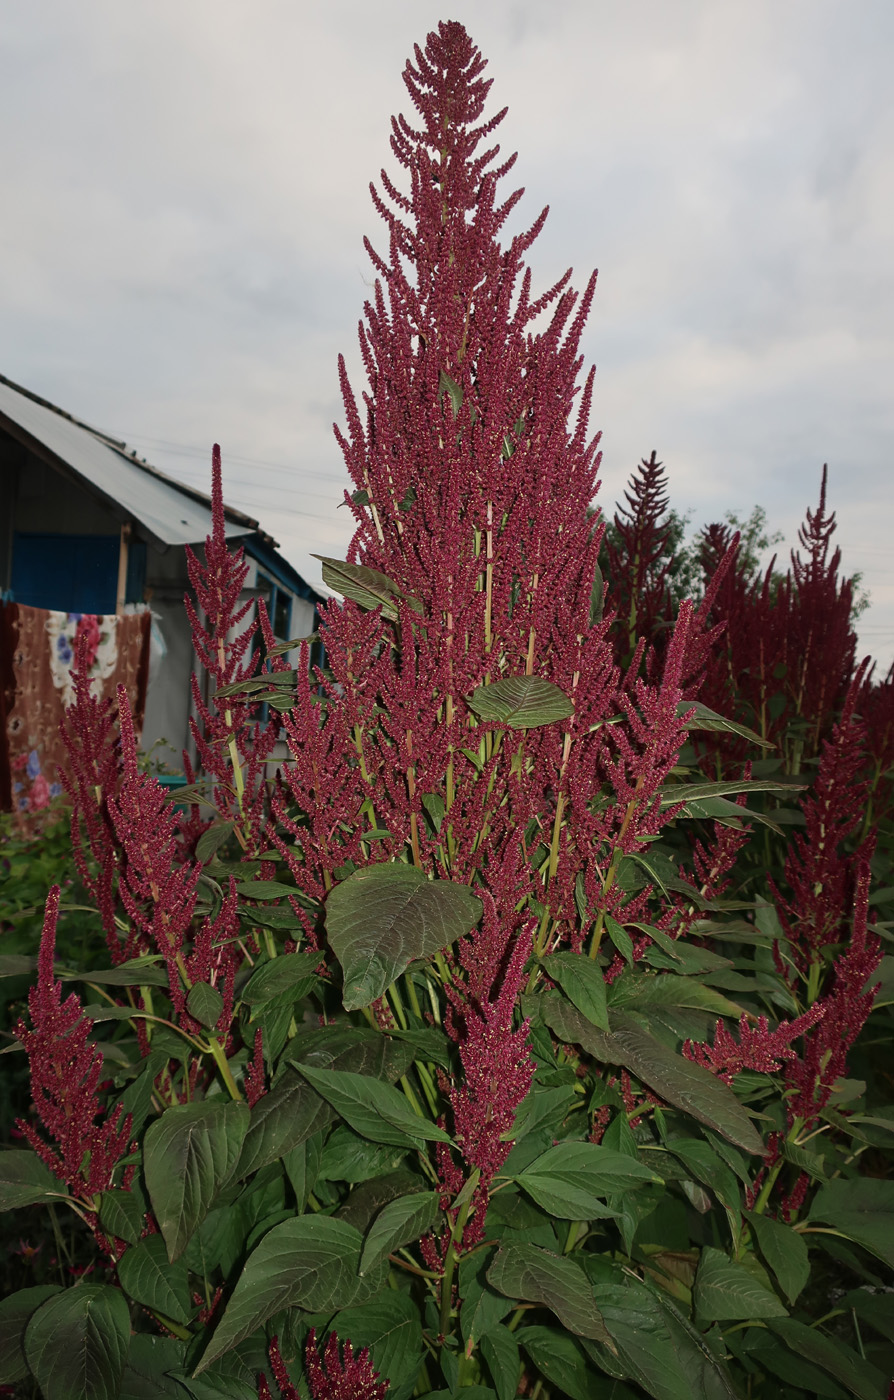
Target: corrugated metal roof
column 174, row 514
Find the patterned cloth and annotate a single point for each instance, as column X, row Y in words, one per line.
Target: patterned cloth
column 37, row 652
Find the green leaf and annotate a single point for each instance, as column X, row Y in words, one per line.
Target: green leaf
column 16, row 1310
column 154, row 1368
column 373, row 1109
column 500, row 1350
column 561, row 1360
column 366, row 587
column 721, row 809
column 700, row 1159
column 308, row 1262
column 290, row 976
column 212, row 839
column 534, row 1275
column 285, row 1117
column 572, row 1179
column 728, row 1292
column 146, row 1276
column 189, row 1154
column 205, row 1003
column 76, row 1343
column 690, row 792
column 121, row 1214
column 678, row 1081
column 265, row 889
column 401, row 1222
column 24, row 1179
column 856, row 1375
column 582, row 982
column 638, row 990
column 686, row 1085
column 863, row 1210
column 390, row 1326
column 784, row 1250
column 138, row 972
column 520, row 702
column 383, row 917
column 700, row 717
column 454, row 391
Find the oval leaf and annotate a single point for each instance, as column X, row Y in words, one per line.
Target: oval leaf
column 76, row 1343
column 24, row 1179
column 147, row 1276
column 728, row 1292
column 401, row 1222
column 366, row 587
column 308, row 1262
column 205, row 1003
column 188, row 1155
column 521, row 702
column 863, row 1210
column 784, row 1250
column 582, row 982
column 571, row 1179
column 373, row 1109
column 16, row 1311
column 381, row 918
column 534, row 1275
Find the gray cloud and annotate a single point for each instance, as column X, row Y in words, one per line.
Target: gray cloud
column 185, row 194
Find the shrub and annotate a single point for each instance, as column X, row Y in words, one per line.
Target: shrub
column 470, row 1053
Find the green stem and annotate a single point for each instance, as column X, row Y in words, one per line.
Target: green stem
column 456, row 1234
column 226, row 1073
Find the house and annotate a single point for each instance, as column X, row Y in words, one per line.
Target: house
column 91, row 536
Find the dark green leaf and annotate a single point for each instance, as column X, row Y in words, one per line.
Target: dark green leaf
column 785, row 1252
column 366, row 587
column 76, row 1343
column 727, row 1292
column 700, row 1159
column 863, row 1210
column 500, row 1350
column 401, row 1222
column 454, row 391
column 520, row 702
column 308, row 1262
column 205, row 1003
column 152, row 1365
column 855, row 1374
column 147, row 1276
column 24, row 1179
column 121, row 1214
column 16, row 1310
column 636, row 991
column 572, row 1179
column 700, row 717
column 690, row 792
column 383, row 917
column 265, row 889
column 481, row 1308
column 533, row 1275
column 582, row 982
column 139, row 972
column 290, row 975
column 212, row 839
column 17, row 964
column 561, row 1360
column 372, row 1108
column 189, row 1154
column 286, row 1116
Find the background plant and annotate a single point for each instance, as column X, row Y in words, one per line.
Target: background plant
column 475, row 1051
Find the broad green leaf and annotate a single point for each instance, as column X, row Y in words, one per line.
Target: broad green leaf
column 212, row 839
column 863, row 1210
column 875, row 1308
column 17, row 964
column 16, row 1310
column 572, row 1179
column 121, row 1214
column 368, row 1197
column 291, row 975
column 500, row 1350
column 189, row 1154
column 139, row 972
column 390, row 1326
column 401, row 1222
column 520, row 702
column 308, row 1262
column 855, row 1374
column 561, row 1359
column 582, row 982
column 700, row 1159
column 147, row 1276
column 784, row 1250
column 24, row 1179
column 266, row 889
column 154, row 1366
column 282, row 1119
column 727, row 1292
column 721, row 809
column 205, row 1003
column 700, row 717
column 534, row 1275
column 76, row 1343
column 635, row 991
column 373, row 1109
column 678, row 1081
column 764, row 1349
column 381, row 918
column 366, row 587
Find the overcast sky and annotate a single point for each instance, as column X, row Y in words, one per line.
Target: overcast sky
column 185, row 191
